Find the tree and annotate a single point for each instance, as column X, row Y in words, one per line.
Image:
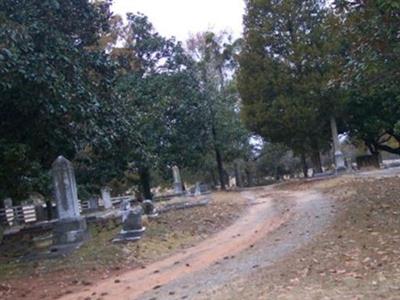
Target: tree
column 161, row 93
column 277, row 160
column 56, row 87
column 285, row 70
column 215, row 57
column 371, row 77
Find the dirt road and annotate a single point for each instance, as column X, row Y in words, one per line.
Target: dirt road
column 275, row 224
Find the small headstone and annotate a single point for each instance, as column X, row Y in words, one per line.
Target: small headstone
column 177, row 180
column 125, row 206
column 148, row 208
column 349, row 164
column 340, row 161
column 93, row 203
column 70, row 228
column 197, row 190
column 338, row 154
column 7, row 202
column 105, row 195
column 132, row 228
column 204, row 189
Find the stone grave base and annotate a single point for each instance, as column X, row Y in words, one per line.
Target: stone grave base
column 70, row 231
column 129, row 235
column 153, row 215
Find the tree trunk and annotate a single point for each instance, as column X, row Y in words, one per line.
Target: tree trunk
column 249, row 176
column 316, row 161
column 304, row 163
column 315, row 156
column 277, row 174
column 144, row 175
column 218, row 158
column 220, row 168
column 238, row 176
column 183, row 187
column 215, row 181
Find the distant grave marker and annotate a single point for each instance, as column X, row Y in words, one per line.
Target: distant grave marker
column 197, row 189
column 177, row 180
column 149, row 209
column 106, row 197
column 7, row 203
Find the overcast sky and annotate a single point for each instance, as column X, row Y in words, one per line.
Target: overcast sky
column 180, row 17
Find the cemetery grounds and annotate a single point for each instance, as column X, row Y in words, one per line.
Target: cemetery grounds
column 336, row 238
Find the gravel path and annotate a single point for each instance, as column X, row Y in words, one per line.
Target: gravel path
column 275, row 224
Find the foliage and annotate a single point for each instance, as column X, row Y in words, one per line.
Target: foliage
column 161, row 93
column 180, row 116
column 121, row 114
column 371, row 77
column 286, row 67
column 56, row 88
column 276, row 160
column 215, row 56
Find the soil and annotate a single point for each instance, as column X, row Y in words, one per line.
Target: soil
column 100, row 259
column 288, row 216
column 336, row 238
column 356, row 257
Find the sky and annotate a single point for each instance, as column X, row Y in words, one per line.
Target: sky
column 179, row 18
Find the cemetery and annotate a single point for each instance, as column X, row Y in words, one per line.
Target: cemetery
column 69, row 230
column 72, row 247
column 171, row 150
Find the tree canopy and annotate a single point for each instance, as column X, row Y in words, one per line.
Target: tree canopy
column 306, row 61
column 125, row 104
column 55, row 88
column 371, row 78
column 284, row 73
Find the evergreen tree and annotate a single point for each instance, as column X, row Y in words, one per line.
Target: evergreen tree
column 215, row 55
column 284, row 74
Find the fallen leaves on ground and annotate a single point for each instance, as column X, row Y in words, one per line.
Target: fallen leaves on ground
column 100, row 259
column 358, row 257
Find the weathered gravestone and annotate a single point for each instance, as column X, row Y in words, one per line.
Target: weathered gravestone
column 7, row 203
column 349, row 164
column 177, row 180
column 338, row 154
column 93, row 203
column 204, row 188
column 132, row 228
column 148, row 208
column 106, row 197
column 70, row 228
column 197, row 189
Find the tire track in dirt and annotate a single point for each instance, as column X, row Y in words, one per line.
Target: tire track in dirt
column 229, row 254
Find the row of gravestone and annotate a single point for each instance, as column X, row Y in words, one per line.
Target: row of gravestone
column 70, row 230
column 30, row 213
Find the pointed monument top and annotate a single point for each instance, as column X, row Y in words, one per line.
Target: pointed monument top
column 61, row 161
